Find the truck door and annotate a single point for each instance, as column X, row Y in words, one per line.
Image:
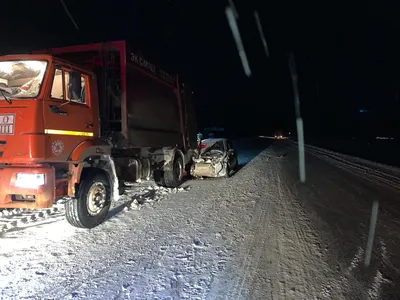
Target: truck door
column 68, row 118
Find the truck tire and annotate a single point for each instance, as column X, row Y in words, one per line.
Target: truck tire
column 173, row 178
column 90, row 207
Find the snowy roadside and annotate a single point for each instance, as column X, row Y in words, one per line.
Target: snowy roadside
column 241, row 238
column 388, row 176
column 338, row 196
column 280, row 254
column 135, row 197
column 258, row 235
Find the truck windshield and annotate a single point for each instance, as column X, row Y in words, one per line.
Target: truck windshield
column 21, row 79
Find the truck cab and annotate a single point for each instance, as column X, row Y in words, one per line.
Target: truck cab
column 77, row 120
column 46, row 108
column 48, row 118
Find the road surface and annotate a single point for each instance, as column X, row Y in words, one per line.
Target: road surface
column 260, row 234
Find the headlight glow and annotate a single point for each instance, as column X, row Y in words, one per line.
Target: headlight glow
column 29, row 180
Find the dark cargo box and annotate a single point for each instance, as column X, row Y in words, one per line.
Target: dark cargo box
column 141, row 105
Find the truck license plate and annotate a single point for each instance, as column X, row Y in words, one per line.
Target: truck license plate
column 7, row 124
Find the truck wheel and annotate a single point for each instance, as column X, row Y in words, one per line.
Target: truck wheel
column 188, row 170
column 91, row 206
column 173, row 178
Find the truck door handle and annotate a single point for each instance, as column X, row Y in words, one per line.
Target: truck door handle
column 56, row 110
column 89, row 125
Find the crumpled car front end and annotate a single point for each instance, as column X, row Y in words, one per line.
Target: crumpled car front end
column 210, row 166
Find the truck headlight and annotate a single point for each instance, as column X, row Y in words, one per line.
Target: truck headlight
column 29, row 180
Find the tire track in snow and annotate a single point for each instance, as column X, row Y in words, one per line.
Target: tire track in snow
column 263, row 213
column 230, row 284
column 273, row 259
column 299, row 259
column 296, row 240
column 337, row 285
column 282, row 254
column 248, row 189
column 18, row 219
column 300, row 230
column 355, row 280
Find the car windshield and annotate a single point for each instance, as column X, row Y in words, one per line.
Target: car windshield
column 213, row 147
column 21, row 79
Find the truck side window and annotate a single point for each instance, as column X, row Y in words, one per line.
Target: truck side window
column 79, row 93
column 57, row 90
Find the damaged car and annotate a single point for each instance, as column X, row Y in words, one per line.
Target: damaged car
column 217, row 158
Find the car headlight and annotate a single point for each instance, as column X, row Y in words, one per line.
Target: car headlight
column 29, row 180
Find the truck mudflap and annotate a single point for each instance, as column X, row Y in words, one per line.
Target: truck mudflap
column 27, row 187
column 111, row 169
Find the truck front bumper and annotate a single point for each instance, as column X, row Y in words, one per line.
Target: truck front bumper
column 26, row 192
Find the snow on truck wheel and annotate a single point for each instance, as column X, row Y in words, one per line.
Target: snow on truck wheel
column 90, row 207
column 172, row 176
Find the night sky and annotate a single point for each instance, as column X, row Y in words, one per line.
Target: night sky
column 347, row 56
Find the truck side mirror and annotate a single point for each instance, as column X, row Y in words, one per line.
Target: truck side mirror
column 74, row 86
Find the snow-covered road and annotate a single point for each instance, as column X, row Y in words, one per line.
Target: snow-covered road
column 260, row 234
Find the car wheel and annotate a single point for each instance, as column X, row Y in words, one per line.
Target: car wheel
column 228, row 171
column 236, row 164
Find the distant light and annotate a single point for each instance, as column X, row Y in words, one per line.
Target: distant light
column 364, row 110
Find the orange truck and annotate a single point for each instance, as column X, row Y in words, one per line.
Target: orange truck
column 76, row 122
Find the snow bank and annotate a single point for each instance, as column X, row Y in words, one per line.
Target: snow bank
column 146, row 194
column 382, row 174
